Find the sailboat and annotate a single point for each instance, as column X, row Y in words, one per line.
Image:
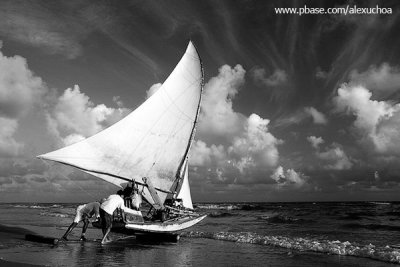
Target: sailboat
column 149, row 149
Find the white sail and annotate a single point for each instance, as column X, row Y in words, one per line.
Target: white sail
column 184, row 192
column 152, row 141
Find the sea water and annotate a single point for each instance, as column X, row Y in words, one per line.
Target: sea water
column 233, row 234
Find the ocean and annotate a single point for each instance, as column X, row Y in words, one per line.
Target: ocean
column 233, row 234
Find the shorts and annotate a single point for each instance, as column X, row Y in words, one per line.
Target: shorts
column 106, row 219
column 79, row 215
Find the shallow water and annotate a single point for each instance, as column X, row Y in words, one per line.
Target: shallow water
column 234, row 234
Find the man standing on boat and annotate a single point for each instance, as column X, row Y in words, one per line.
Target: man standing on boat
column 107, row 209
column 83, row 213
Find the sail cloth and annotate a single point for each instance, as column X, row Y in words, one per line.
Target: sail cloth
column 184, row 192
column 151, row 141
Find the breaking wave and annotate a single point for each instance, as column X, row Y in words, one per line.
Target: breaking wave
column 247, row 207
column 337, row 247
column 21, row 206
column 53, row 214
column 218, row 206
column 380, row 203
column 37, row 206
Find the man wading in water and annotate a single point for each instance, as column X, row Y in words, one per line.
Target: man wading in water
column 83, row 213
column 107, row 209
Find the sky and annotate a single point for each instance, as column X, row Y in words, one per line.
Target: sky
column 295, row 108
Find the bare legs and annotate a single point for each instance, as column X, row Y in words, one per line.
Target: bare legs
column 73, row 225
column 70, row 228
column 105, row 233
column 85, row 226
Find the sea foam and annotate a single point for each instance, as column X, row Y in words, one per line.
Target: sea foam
column 337, row 247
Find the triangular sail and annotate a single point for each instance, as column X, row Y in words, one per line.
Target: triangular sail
column 152, row 141
column 184, row 192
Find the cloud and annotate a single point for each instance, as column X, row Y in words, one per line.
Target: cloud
column 382, row 81
column 32, row 24
column 39, row 179
column 26, row 107
column 217, row 116
column 318, row 117
column 288, row 120
column 9, row 147
column 256, row 147
column 315, row 141
column 72, row 138
column 154, row 88
column 334, row 158
column 202, row 155
column 117, row 100
column 299, row 116
column 248, row 158
column 232, row 148
column 74, row 116
column 376, row 122
column 320, row 74
column 5, row 181
column 20, row 89
column 288, row 177
column 277, row 78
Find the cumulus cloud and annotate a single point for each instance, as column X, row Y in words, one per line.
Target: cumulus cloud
column 217, row 115
column 382, row 81
column 288, row 177
column 277, row 78
column 377, row 122
column 318, row 117
column 69, row 117
column 19, row 87
column 9, row 147
column 334, row 158
column 20, row 90
column 203, row 155
column 72, row 138
column 234, row 148
column 117, row 100
column 154, row 88
column 256, row 147
column 74, row 116
column 315, row 141
column 251, row 155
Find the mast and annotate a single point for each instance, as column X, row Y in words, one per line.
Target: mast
column 153, row 141
column 181, row 167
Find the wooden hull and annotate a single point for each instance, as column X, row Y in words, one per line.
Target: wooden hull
column 167, row 227
column 173, row 226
